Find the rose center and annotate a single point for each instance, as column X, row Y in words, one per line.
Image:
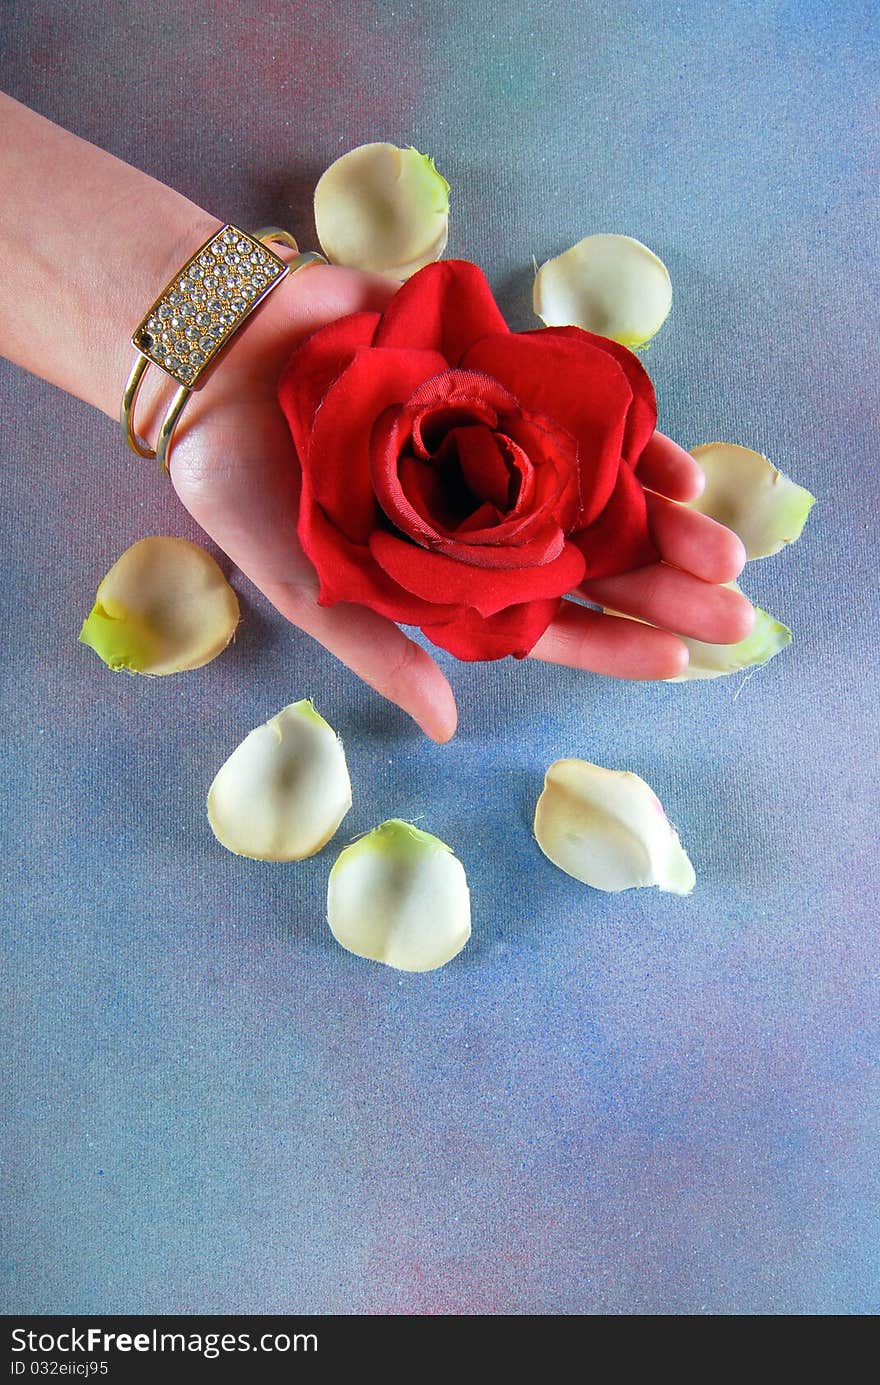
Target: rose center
column 477, row 479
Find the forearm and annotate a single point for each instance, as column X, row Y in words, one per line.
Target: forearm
column 86, row 244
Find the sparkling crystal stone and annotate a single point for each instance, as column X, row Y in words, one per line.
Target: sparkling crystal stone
column 198, row 295
column 192, row 333
column 229, row 235
column 210, row 282
column 237, row 305
column 206, row 343
column 203, row 319
column 217, row 330
column 196, row 272
column 196, row 357
column 165, row 311
column 205, row 259
column 175, row 297
column 171, row 361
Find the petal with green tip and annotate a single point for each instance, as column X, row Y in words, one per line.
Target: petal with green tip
column 746, row 492
column 400, row 896
column 608, row 284
column 767, row 639
column 383, row 209
column 163, row 607
column 284, row 790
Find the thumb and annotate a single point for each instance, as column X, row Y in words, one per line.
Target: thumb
column 326, row 292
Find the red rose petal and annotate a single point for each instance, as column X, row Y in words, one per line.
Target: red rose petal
column 488, row 590
column 434, row 421
column 349, row 572
column 422, row 485
column 485, row 518
column 338, row 456
column 557, row 480
column 515, row 631
column 445, row 307
column 485, row 548
column 574, row 383
column 642, row 417
column 314, row 366
column 483, row 465
column 619, row 540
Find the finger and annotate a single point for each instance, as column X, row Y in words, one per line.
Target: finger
column 326, row 292
column 694, row 542
column 597, row 643
column 676, row 601
column 306, row 301
column 247, row 503
column 667, row 468
column 382, row 655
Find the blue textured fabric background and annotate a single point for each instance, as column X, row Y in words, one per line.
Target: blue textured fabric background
column 607, row 1104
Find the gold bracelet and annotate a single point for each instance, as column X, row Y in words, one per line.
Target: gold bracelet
column 198, row 312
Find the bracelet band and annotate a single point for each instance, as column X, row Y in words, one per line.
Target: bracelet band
column 196, row 315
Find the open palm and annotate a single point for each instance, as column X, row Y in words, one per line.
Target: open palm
column 234, row 468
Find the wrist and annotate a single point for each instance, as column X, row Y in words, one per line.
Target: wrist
column 161, row 232
column 87, row 243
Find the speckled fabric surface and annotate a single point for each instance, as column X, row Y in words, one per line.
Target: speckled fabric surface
column 607, row 1104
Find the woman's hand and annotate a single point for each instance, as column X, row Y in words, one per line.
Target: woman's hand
column 78, row 273
column 234, row 467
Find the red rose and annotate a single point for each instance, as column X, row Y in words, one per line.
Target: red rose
column 462, row 477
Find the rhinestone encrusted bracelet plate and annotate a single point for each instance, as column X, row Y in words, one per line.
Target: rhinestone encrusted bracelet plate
column 206, row 302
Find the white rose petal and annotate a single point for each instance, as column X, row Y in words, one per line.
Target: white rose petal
column 284, row 791
column 163, row 607
column 608, row 829
column 608, row 284
column 768, row 637
column 399, row 896
column 747, row 493
column 383, row 209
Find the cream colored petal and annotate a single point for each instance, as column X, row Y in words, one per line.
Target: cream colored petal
column 383, row 209
column 163, row 607
column 768, row 638
column 611, row 285
column 608, row 829
column 399, row 896
column 284, row 791
column 746, row 492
